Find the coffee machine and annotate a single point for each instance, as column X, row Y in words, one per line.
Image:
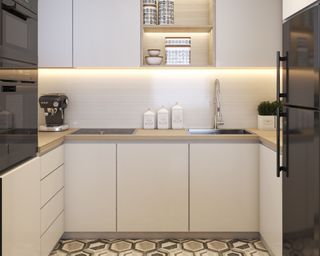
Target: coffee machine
column 54, row 106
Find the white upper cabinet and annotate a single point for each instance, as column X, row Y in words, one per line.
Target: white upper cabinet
column 248, row 32
column 291, row 7
column 55, row 33
column 106, row 33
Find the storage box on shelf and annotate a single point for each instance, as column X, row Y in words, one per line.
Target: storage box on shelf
column 193, row 19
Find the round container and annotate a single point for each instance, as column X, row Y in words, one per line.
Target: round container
column 154, row 52
column 150, row 60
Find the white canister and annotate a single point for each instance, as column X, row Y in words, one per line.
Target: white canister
column 149, row 120
column 177, row 116
column 163, row 118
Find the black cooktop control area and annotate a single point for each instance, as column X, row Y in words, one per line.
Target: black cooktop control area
column 103, row 131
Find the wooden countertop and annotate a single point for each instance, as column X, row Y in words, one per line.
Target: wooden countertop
column 267, row 138
column 50, row 140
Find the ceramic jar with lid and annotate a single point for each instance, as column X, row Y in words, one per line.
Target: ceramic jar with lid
column 163, row 118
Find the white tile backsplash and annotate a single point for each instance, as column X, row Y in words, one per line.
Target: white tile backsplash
column 118, row 97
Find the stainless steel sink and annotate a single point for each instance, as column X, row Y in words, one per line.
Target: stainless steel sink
column 218, row 131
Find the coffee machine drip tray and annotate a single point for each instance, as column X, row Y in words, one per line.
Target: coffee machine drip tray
column 44, row 128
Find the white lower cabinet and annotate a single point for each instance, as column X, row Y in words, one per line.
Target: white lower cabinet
column 152, row 187
column 224, row 187
column 21, row 210
column 52, row 199
column 90, row 187
column 52, row 236
column 270, row 202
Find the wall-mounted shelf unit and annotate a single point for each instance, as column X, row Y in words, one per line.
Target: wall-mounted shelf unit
column 193, row 18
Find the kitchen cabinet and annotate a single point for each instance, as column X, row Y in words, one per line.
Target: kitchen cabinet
column 51, row 199
column 248, row 33
column 152, row 187
column 270, row 202
column 291, row 7
column 55, row 33
column 224, row 189
column 106, row 33
column 21, row 210
column 90, row 187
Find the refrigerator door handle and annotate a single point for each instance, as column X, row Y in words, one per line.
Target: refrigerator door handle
column 281, row 168
column 279, row 60
column 279, row 113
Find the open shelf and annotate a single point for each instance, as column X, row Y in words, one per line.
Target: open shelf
column 193, row 18
column 176, row 29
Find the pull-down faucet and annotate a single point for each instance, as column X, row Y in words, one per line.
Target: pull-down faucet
column 217, row 118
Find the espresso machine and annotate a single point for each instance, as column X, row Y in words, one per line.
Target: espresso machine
column 54, row 106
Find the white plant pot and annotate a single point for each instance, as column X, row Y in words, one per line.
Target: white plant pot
column 267, row 122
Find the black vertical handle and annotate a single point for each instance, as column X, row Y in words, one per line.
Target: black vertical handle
column 279, row 113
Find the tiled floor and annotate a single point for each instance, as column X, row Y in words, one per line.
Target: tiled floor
column 169, row 247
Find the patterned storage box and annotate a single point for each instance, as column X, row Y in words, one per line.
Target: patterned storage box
column 150, row 15
column 178, row 50
column 166, row 12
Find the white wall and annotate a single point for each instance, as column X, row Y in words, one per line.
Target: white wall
column 118, row 97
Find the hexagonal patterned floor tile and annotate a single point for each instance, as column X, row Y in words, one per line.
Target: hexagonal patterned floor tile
column 131, row 253
column 121, row 246
column 145, row 246
column 72, row 246
column 97, row 246
column 206, row 253
column 169, row 245
column 217, row 246
column 259, row 245
column 193, row 246
column 165, row 247
column 232, row 253
column 157, row 253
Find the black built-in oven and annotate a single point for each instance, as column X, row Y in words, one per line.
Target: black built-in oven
column 18, row 35
column 18, row 113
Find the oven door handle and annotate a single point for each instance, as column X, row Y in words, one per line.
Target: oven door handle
column 16, row 10
column 9, row 3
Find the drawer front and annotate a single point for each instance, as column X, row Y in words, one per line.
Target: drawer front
column 52, row 160
column 52, row 236
column 52, row 184
column 52, row 210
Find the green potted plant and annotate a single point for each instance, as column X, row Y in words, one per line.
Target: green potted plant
column 267, row 112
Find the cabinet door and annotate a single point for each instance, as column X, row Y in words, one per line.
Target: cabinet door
column 21, row 210
column 248, row 33
column 224, row 190
column 291, row 7
column 106, row 33
column 152, row 187
column 90, row 187
column 270, row 202
column 55, row 33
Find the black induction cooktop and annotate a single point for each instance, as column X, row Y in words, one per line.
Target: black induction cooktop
column 102, row 131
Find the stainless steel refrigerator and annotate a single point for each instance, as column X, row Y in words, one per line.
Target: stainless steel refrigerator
column 300, row 166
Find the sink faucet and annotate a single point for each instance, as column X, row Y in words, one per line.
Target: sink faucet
column 217, row 119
